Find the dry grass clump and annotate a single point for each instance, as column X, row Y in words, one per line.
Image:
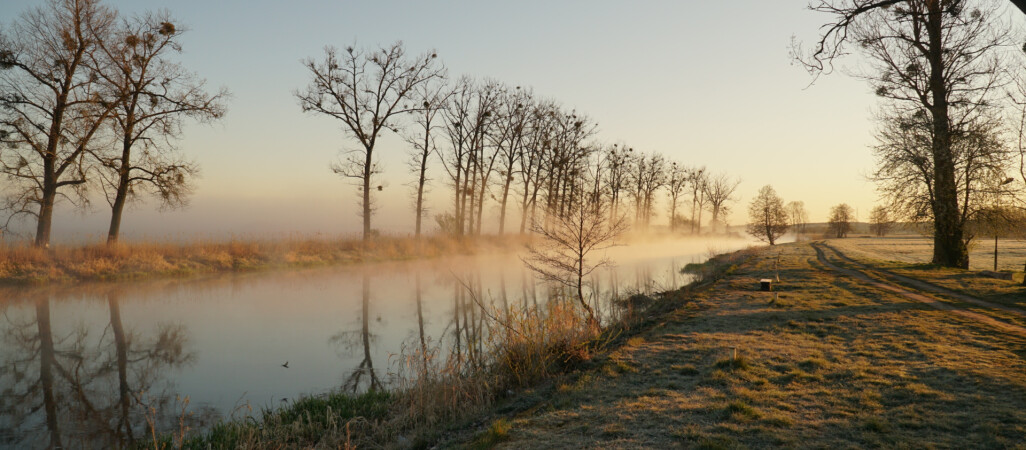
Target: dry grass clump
column 23, row 264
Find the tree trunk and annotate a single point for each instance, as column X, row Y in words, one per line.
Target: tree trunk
column 523, row 211
column 45, row 219
column 592, row 320
column 502, row 207
column 420, row 191
column 121, row 349
column 118, row 207
column 47, row 359
column 694, row 204
column 366, row 194
column 949, row 247
column 480, row 204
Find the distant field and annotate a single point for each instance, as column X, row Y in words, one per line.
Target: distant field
column 917, row 249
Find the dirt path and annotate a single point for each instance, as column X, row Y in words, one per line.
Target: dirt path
column 924, row 285
column 921, row 297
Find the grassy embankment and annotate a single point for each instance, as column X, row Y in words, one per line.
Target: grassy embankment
column 832, row 363
column 129, row 261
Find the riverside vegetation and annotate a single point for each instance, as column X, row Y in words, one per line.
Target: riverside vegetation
column 130, row 261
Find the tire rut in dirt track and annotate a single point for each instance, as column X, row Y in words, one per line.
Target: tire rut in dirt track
column 917, row 296
column 925, row 285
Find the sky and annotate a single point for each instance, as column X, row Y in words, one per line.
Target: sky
column 703, row 83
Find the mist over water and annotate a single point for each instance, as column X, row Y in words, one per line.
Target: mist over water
column 222, row 341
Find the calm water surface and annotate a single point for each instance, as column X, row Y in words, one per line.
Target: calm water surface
column 95, row 365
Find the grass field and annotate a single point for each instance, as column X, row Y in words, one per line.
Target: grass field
column 831, row 363
column 919, row 250
column 910, row 257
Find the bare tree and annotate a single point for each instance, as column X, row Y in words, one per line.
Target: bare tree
column 538, row 139
column 432, row 96
column 880, row 222
column 468, row 116
column 799, row 215
column 653, row 178
column 719, row 191
column 676, row 182
column 367, row 90
column 767, row 218
column 942, row 59
column 155, row 94
column 565, row 252
column 697, row 178
column 840, row 220
column 50, row 106
column 513, row 127
column 905, row 172
column 617, row 160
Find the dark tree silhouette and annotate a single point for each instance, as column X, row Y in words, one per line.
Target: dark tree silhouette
column 767, row 218
column 51, row 108
column 942, row 59
column 840, row 220
column 367, row 90
column 432, row 96
column 155, row 94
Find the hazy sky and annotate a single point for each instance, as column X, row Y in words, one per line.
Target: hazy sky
column 704, row 83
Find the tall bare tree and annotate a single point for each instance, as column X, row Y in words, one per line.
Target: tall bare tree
column 676, row 182
column 719, row 191
column 617, row 160
column 432, row 97
column 367, row 90
column 531, row 164
column 943, row 59
column 51, row 108
column 154, row 95
column 697, row 179
column 513, row 126
column 468, row 117
column 653, row 178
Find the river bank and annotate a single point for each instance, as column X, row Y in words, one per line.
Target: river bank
column 26, row 265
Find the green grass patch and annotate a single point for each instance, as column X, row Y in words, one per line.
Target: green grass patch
column 496, row 433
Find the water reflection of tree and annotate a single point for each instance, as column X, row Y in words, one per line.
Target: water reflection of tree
column 81, row 388
column 364, row 373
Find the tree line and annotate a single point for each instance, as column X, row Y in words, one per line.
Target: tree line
column 91, row 100
column 495, row 144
